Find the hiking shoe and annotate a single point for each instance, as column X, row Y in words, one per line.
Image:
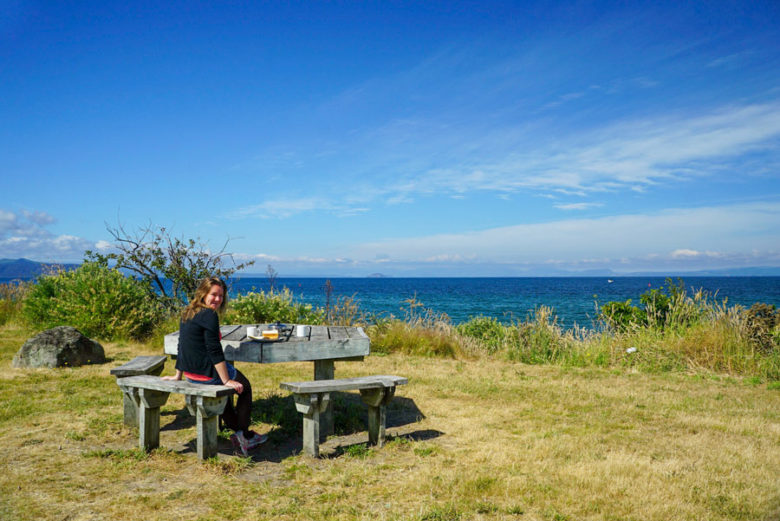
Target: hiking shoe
column 239, row 443
column 244, row 444
column 254, row 439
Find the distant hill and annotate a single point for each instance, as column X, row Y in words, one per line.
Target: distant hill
column 26, row 269
column 755, row 271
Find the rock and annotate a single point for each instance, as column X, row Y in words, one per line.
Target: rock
column 60, row 346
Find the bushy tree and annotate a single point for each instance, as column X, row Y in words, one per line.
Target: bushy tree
column 667, row 306
column 487, row 330
column 622, row 315
column 273, row 306
column 173, row 266
column 97, row 300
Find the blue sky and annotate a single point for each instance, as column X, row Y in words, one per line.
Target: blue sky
column 406, row 138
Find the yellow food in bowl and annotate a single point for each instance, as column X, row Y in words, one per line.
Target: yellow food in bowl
column 270, row 334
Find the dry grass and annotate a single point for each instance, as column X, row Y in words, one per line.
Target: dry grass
column 12, row 295
column 482, row 439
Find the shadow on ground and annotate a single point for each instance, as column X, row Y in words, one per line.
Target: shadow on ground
column 285, row 436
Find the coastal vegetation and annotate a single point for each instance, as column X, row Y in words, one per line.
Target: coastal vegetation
column 670, row 329
column 667, row 410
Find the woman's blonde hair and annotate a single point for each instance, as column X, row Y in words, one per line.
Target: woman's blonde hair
column 198, row 301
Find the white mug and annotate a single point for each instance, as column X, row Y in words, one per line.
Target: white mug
column 251, row 331
column 300, row 330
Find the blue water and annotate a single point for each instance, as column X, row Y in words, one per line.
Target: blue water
column 574, row 299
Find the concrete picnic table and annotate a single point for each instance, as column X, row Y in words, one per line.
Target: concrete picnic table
column 322, row 345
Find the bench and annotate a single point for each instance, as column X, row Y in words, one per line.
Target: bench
column 205, row 402
column 139, row 365
column 311, row 398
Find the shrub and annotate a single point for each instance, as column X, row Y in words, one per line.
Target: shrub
column 346, row 312
column 662, row 308
column 423, row 332
column 487, row 330
column 396, row 335
column 97, row 300
column 11, row 297
column 539, row 340
column 761, row 321
column 622, row 316
column 273, row 306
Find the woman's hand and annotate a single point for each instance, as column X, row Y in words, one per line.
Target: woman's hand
column 238, row 386
column 176, row 376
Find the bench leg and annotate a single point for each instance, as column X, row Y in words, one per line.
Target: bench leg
column 377, row 400
column 131, row 403
column 149, row 418
column 206, row 411
column 130, row 399
column 311, row 406
column 325, row 370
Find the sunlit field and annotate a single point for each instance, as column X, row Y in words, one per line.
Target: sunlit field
column 481, row 438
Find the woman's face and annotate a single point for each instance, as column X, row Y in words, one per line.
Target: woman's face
column 214, row 297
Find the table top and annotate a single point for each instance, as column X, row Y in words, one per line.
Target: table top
column 321, row 343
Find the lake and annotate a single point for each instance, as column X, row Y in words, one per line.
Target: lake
column 574, row 299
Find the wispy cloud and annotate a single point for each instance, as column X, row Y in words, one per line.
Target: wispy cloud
column 577, row 206
column 288, row 206
column 730, row 60
column 631, row 155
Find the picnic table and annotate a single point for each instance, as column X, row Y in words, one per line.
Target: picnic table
column 322, row 345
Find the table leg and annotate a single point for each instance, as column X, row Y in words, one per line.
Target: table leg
column 325, row 370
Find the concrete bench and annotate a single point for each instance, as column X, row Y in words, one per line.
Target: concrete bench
column 311, row 398
column 205, row 402
column 139, row 365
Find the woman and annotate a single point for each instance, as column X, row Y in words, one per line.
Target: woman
column 201, row 360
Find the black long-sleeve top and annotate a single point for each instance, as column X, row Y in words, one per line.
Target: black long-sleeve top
column 199, row 346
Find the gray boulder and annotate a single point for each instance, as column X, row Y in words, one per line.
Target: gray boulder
column 61, row 346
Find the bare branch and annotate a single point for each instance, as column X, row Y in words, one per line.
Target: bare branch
column 162, row 260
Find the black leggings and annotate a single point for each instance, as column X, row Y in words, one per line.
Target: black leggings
column 239, row 416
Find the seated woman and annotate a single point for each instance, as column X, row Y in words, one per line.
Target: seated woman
column 201, row 360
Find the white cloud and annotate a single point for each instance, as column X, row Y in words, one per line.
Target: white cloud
column 37, row 217
column 25, row 235
column 675, row 239
column 671, row 234
column 676, row 254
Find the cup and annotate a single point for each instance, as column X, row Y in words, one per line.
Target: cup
column 251, row 331
column 300, row 330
